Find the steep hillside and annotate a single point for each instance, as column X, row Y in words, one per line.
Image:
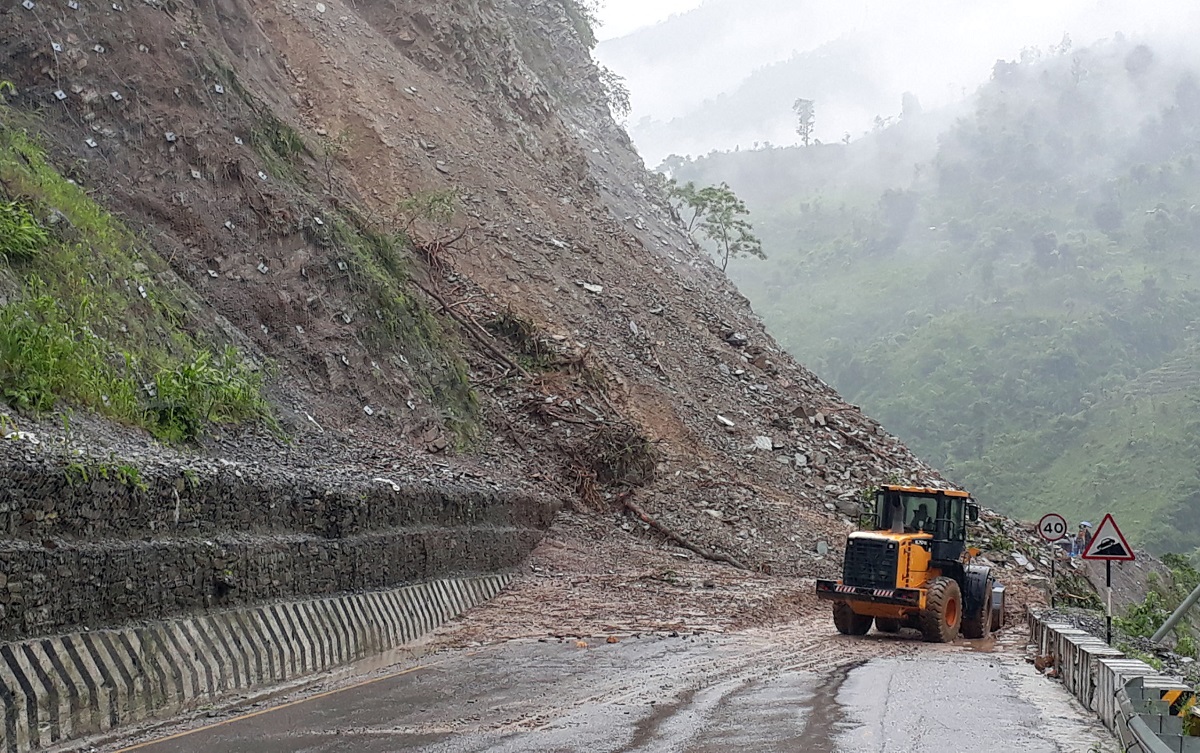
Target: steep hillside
column 417, row 225
column 1019, row 304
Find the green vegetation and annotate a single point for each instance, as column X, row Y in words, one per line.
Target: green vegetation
column 534, row 353
column 718, row 214
column 90, row 325
column 45, row 355
column 279, row 146
column 124, row 474
column 21, row 235
column 616, row 91
column 1018, row 302
column 1164, row 598
column 1186, row 646
column 437, row 207
column 201, row 389
column 583, row 15
column 1000, row 543
column 1191, row 723
column 806, row 119
column 375, row 264
column 1145, row 618
column 1074, row 589
column 191, row 478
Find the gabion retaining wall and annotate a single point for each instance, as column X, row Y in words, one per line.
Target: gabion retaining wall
column 91, row 543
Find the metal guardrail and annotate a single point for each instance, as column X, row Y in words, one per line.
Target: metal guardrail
column 1151, row 726
column 1139, row 705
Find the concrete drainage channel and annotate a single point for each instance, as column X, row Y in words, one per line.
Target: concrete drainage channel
column 1140, row 706
column 63, row 688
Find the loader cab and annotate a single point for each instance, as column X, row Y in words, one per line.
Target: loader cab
column 941, row 513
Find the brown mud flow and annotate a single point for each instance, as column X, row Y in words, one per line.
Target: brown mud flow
column 827, row 717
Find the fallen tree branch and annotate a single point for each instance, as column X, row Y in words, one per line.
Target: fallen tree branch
column 474, row 331
column 678, row 539
column 863, row 445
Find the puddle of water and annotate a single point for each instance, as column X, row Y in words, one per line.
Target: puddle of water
column 979, row 645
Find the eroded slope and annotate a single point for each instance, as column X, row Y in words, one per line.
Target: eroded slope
column 558, row 327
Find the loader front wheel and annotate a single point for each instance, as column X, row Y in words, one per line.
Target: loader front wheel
column 848, row 622
column 942, row 617
column 980, row 625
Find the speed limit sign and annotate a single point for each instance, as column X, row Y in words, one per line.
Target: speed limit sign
column 1052, row 527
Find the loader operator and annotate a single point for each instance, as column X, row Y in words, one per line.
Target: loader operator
column 920, row 519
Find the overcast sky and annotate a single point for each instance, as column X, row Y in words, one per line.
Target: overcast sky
column 619, row 17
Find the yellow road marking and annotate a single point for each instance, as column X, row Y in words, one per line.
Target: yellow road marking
column 280, row 707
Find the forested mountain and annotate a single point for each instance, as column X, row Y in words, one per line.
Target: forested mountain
column 1018, row 297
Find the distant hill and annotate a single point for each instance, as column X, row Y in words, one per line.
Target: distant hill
column 1014, row 292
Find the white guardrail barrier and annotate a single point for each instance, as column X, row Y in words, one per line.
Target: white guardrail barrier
column 1142, row 707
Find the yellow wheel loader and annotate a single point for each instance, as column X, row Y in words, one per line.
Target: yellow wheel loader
column 913, row 570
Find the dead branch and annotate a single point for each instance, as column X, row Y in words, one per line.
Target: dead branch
column 536, row 405
column 434, row 250
column 474, row 330
column 868, row 448
column 677, row 538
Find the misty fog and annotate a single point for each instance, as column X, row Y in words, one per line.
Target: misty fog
column 991, row 244
column 725, row 74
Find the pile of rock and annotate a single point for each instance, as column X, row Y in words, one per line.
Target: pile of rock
column 1022, row 560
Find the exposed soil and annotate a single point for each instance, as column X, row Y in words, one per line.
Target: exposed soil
column 728, row 441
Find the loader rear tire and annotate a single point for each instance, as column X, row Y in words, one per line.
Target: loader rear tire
column 942, row 617
column 848, row 622
column 887, row 625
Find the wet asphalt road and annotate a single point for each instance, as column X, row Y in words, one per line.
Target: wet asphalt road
column 699, row 695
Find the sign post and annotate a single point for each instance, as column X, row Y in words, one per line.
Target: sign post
column 1109, row 545
column 1052, row 528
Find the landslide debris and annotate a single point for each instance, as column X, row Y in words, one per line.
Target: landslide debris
column 423, row 218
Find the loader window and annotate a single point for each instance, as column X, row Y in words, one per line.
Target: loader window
column 942, row 516
column 921, row 518
column 952, row 519
column 892, row 508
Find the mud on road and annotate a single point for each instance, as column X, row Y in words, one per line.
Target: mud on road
column 611, row 643
column 799, row 687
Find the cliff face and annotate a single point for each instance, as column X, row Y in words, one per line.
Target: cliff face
column 288, row 161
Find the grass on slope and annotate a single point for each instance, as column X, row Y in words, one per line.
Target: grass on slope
column 86, row 319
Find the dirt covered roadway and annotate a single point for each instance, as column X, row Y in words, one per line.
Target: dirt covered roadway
column 790, row 688
column 608, row 642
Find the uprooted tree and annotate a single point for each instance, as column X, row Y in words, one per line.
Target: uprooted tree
column 718, row 213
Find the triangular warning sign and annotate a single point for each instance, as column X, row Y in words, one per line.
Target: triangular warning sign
column 1109, row 543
